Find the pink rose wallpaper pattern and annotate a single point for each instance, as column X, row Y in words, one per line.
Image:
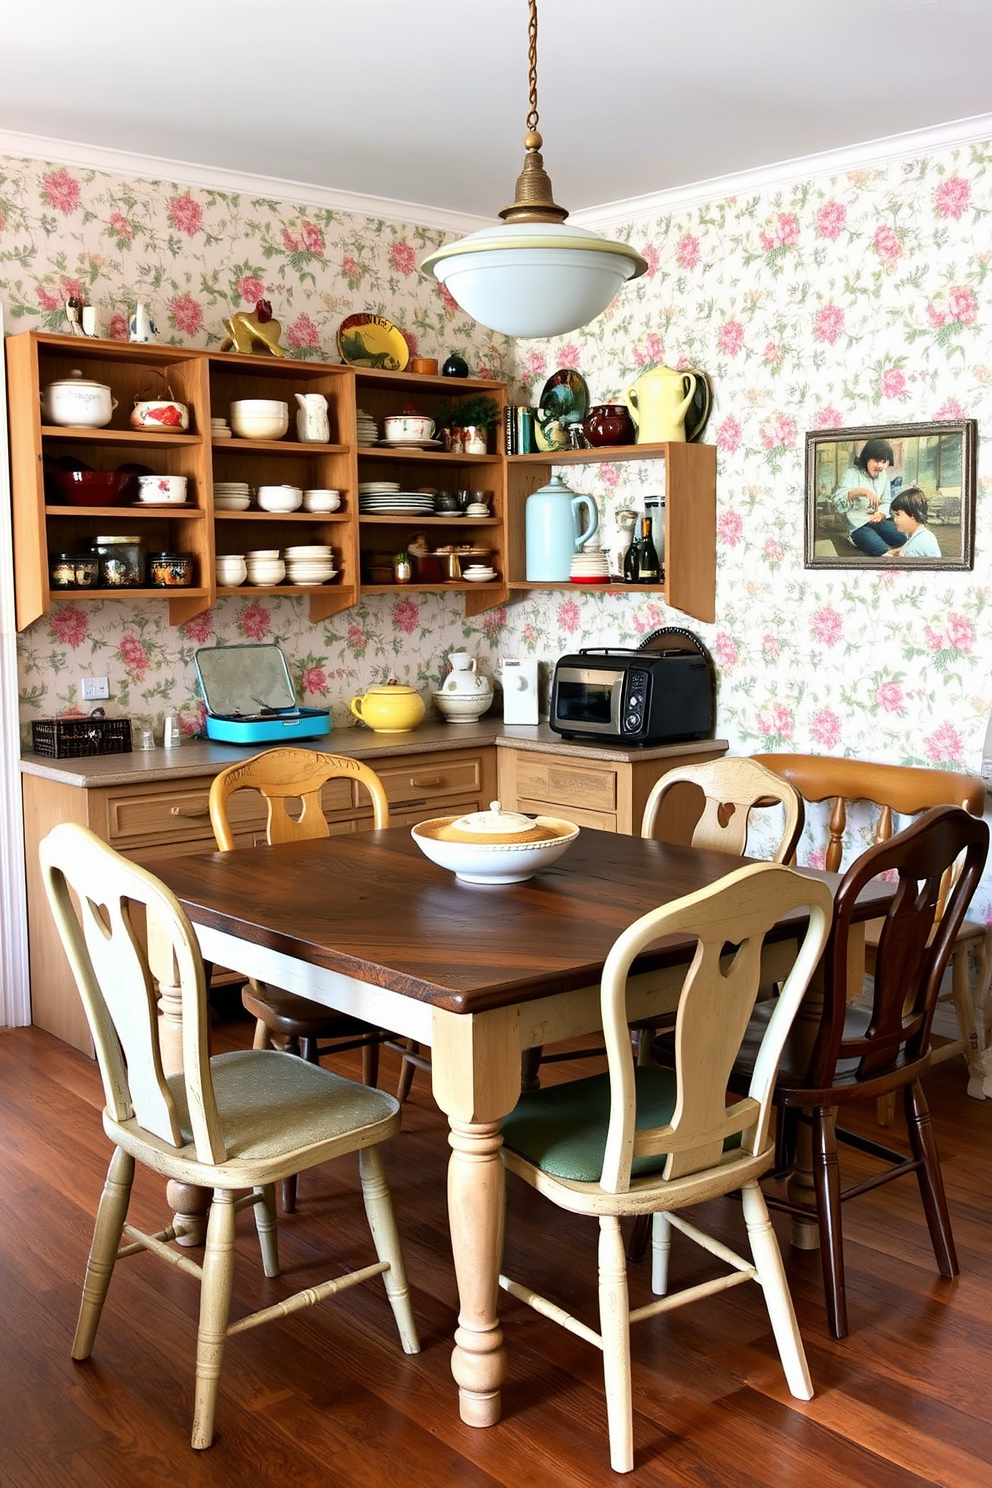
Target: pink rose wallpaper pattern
column 831, row 301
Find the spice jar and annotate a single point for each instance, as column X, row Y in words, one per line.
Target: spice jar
column 62, row 570
column 170, row 570
column 121, row 562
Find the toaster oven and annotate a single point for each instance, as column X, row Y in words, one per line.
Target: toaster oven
column 634, row 696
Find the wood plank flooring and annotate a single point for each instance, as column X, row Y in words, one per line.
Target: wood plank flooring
column 328, row 1398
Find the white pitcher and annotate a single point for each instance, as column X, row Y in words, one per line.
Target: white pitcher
column 312, row 423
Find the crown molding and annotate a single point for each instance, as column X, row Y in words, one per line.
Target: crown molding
column 184, row 172
column 878, row 152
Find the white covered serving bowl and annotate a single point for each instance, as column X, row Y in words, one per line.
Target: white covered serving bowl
column 494, row 846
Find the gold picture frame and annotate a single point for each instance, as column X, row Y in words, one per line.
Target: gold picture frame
column 850, row 488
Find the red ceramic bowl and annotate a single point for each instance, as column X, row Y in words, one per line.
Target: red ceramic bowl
column 92, row 487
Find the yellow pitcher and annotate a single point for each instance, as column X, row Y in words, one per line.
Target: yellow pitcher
column 658, row 403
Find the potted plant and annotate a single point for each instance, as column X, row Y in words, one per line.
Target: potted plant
column 466, row 423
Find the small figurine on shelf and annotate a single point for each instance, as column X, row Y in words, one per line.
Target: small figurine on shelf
column 141, row 328
column 253, row 334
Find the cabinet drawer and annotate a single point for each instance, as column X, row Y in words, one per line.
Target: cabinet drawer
column 555, row 783
column 175, row 816
column 431, row 778
column 603, row 820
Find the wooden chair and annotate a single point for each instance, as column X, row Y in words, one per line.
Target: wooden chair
column 240, row 1121
column 284, row 776
column 577, row 1143
column 732, row 788
column 862, row 1054
column 906, row 791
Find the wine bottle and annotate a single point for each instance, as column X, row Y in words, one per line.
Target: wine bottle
column 647, row 557
column 630, row 561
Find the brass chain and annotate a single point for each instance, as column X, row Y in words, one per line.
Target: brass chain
column 532, row 66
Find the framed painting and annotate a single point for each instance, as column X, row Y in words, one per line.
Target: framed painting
column 892, row 496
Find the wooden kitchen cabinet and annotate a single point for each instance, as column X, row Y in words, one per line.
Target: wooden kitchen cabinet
column 148, row 820
column 599, row 791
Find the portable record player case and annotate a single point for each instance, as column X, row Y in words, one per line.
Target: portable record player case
column 250, row 698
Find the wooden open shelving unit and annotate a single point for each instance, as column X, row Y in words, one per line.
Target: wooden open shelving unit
column 208, row 382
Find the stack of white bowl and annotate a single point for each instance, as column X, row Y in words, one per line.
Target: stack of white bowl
column 265, row 567
column 478, row 573
column 259, row 418
column 311, row 563
column 231, row 570
column 231, row 495
column 219, row 429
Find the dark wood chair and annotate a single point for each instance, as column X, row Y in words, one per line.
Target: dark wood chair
column 862, row 1054
column 904, row 790
column 285, row 777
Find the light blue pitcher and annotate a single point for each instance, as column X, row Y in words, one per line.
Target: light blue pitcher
column 553, row 531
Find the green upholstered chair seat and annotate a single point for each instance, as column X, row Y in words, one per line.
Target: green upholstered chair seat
column 562, row 1129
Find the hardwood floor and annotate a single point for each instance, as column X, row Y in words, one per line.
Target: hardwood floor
column 327, row 1396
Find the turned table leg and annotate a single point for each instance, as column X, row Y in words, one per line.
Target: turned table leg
column 475, row 1067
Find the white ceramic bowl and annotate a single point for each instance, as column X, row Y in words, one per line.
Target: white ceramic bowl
column 263, row 553
column 232, row 570
column 162, row 490
column 231, row 503
column 408, row 426
column 309, row 550
column 462, row 709
column 321, row 501
column 494, row 862
column 270, row 571
column 279, row 498
column 251, row 407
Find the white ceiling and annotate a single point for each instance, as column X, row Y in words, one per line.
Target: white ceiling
column 424, row 101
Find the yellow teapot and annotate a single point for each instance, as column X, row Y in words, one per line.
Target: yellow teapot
column 659, row 402
column 392, row 709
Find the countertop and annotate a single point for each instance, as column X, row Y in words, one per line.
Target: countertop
column 199, row 757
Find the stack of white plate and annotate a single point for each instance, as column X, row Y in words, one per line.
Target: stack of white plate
column 311, row 563
column 590, row 566
column 231, row 495
column 395, row 503
column 478, row 573
column 368, row 429
column 219, row 429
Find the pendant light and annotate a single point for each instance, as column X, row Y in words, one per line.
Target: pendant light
column 534, row 276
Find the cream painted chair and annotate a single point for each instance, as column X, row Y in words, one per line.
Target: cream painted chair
column 907, row 790
column 284, row 777
column 577, row 1143
column 732, row 788
column 240, row 1121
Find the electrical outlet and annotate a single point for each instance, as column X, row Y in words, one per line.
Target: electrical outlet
column 91, row 689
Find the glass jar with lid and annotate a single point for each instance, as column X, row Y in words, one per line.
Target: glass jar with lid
column 170, row 570
column 122, row 561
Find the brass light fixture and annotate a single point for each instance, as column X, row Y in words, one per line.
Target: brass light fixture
column 534, row 276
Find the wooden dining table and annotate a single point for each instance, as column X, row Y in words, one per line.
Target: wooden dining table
column 367, row 925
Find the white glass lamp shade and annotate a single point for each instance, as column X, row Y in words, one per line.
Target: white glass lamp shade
column 534, row 279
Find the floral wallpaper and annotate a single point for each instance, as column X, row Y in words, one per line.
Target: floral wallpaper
column 847, row 300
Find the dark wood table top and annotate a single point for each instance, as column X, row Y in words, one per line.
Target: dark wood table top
column 371, row 906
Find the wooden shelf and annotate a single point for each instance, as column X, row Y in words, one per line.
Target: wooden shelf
column 208, row 382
